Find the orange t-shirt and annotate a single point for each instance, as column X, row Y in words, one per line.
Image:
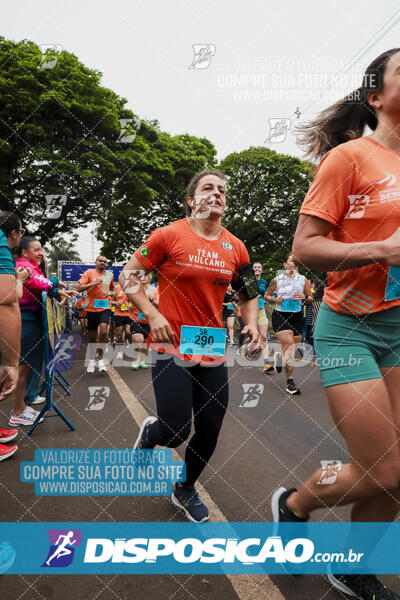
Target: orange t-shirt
column 193, row 274
column 81, row 307
column 123, row 310
column 134, row 314
column 357, row 189
column 95, row 292
column 151, row 294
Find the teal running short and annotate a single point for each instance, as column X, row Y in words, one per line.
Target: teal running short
column 353, row 348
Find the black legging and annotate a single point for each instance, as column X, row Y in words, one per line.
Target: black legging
column 179, row 390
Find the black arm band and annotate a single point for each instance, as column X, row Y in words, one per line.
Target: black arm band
column 247, row 282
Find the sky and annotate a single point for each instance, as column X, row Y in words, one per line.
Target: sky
column 239, row 73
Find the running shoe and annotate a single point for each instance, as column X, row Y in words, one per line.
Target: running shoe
column 187, row 499
column 364, row 587
column 91, row 366
column 120, row 356
column 281, row 513
column 27, row 417
column 31, row 410
column 101, row 366
column 268, row 368
column 143, row 364
column 135, row 365
column 7, row 435
column 7, row 556
column 7, row 451
column 38, row 400
column 142, row 441
column 278, row 362
column 291, row 387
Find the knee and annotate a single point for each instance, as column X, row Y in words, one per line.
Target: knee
column 173, row 437
column 210, row 428
column 385, row 478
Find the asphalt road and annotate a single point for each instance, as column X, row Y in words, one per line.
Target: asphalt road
column 272, row 439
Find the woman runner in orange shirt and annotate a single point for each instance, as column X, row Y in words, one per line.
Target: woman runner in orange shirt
column 350, row 226
column 194, row 257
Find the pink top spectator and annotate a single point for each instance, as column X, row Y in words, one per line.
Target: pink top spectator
column 33, row 288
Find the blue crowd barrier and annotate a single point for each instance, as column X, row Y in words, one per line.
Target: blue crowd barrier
column 53, row 327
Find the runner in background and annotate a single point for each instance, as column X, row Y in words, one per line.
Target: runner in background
column 82, row 316
column 228, row 314
column 140, row 328
column 289, row 290
column 262, row 320
column 190, row 375
column 122, row 321
column 349, row 226
column 97, row 283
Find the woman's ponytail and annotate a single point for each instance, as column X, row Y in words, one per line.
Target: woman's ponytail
column 346, row 119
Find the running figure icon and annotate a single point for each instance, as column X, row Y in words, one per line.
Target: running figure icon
column 62, row 549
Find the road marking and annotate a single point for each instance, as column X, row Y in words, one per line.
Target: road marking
column 245, row 586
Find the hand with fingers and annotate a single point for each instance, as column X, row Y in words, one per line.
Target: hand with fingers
column 161, row 331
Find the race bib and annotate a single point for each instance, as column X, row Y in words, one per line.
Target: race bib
column 209, row 341
column 141, row 316
column 229, row 307
column 261, row 303
column 393, row 284
column 124, row 307
column 101, row 303
column 290, row 306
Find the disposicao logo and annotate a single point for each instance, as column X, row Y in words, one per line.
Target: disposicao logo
column 62, row 547
column 191, row 550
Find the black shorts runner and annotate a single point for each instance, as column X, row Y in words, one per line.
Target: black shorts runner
column 120, row 321
column 227, row 313
column 283, row 321
column 95, row 318
column 139, row 327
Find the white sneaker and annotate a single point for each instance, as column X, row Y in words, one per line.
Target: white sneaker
column 101, row 366
column 39, row 400
column 31, row 410
column 27, row 417
column 91, row 366
column 120, row 356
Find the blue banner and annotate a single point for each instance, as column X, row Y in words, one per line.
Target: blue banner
column 72, row 273
column 210, row 548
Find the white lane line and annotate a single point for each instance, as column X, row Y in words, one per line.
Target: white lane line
column 247, row 587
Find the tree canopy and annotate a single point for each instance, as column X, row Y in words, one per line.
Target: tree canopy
column 71, row 152
column 265, row 192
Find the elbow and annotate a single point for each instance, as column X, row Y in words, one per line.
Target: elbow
column 302, row 251
column 299, row 250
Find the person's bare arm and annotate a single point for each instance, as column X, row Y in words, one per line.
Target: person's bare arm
column 10, row 337
column 130, row 283
column 249, row 310
column 312, row 248
column 269, row 292
column 82, row 287
column 308, row 292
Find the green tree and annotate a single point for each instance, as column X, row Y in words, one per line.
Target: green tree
column 265, row 192
column 127, row 222
column 60, row 135
column 60, row 250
